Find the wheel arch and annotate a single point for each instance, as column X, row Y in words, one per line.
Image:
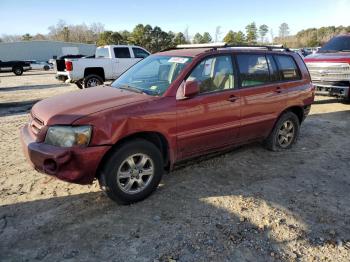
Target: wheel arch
column 95, row 71
column 297, row 110
column 156, row 138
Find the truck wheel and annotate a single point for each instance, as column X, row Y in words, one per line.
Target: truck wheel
column 92, row 80
column 132, row 172
column 285, row 133
column 46, row 68
column 17, row 70
column 79, row 84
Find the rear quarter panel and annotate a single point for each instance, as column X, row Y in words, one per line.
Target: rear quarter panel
column 301, row 93
column 79, row 66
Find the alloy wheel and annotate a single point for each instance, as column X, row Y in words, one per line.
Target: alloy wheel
column 135, row 173
column 93, row 82
column 286, row 134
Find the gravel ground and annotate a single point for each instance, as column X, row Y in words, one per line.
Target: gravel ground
column 246, row 205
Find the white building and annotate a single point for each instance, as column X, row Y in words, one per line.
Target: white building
column 42, row 50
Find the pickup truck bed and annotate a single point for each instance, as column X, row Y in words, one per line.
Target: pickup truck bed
column 110, row 62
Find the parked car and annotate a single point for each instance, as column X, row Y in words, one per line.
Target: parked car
column 17, row 67
column 109, row 63
column 302, row 52
column 170, row 107
column 330, row 68
column 36, row 65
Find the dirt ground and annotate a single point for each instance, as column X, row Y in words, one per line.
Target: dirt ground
column 246, row 205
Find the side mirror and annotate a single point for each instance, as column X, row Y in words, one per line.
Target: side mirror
column 191, row 89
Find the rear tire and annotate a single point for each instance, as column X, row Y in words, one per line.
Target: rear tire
column 92, row 81
column 79, row 84
column 285, row 133
column 17, row 70
column 46, row 68
column 132, row 172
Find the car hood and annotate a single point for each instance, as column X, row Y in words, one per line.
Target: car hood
column 67, row 108
column 329, row 57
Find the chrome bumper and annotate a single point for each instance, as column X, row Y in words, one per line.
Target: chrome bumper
column 332, row 90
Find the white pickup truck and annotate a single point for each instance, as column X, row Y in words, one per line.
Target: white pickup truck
column 109, row 63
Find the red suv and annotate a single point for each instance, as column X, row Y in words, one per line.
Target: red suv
column 170, row 107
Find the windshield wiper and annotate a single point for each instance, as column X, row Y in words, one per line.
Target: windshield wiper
column 130, row 88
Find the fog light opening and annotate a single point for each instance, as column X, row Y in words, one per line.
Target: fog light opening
column 50, row 165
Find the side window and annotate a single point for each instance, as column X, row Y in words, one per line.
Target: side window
column 102, row 52
column 253, row 70
column 139, row 53
column 122, row 52
column 288, row 68
column 274, row 74
column 214, row 74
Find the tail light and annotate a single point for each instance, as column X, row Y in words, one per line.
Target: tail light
column 69, row 66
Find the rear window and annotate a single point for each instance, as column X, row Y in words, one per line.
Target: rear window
column 287, row 67
column 253, row 69
column 122, row 52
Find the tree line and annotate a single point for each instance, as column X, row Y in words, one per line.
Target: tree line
column 155, row 39
column 312, row 37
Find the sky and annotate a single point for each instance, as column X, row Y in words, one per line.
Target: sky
column 34, row 16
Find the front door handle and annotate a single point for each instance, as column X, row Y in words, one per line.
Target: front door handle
column 232, row 98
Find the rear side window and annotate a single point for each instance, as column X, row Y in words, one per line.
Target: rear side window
column 102, row 52
column 287, row 67
column 139, row 53
column 253, row 69
column 122, row 52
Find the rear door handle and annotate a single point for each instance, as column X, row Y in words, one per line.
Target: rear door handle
column 232, row 98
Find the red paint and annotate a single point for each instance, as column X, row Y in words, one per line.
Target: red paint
column 201, row 124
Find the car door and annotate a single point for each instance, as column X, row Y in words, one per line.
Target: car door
column 211, row 119
column 123, row 60
column 263, row 98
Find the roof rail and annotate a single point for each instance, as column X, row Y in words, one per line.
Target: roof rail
column 268, row 47
column 215, row 46
column 208, row 45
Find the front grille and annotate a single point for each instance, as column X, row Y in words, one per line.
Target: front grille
column 329, row 71
column 36, row 124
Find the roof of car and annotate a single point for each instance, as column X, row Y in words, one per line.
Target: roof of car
column 184, row 52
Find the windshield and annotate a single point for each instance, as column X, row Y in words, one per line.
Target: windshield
column 153, row 75
column 340, row 43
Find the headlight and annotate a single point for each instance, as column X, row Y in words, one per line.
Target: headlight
column 68, row 136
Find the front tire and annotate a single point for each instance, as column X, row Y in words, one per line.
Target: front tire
column 17, row 70
column 285, row 133
column 92, row 81
column 132, row 172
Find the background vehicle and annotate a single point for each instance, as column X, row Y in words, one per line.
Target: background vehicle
column 17, row 67
column 302, row 51
column 170, row 107
column 330, row 67
column 109, row 63
column 36, row 65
